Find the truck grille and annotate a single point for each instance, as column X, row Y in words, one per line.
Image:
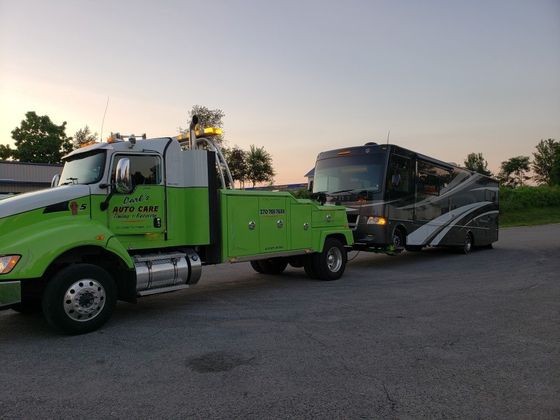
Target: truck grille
column 352, row 220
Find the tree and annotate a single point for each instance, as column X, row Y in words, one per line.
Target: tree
column 476, row 162
column 237, row 162
column 513, row 171
column 6, row 151
column 555, row 172
column 39, row 140
column 259, row 165
column 209, row 118
column 544, row 160
column 84, row 137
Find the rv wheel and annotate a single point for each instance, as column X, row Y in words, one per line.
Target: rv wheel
column 398, row 240
column 468, row 243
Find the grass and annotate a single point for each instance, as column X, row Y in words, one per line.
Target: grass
column 530, row 216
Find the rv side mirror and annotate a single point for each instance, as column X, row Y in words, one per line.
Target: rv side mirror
column 396, row 180
column 123, row 181
column 55, row 180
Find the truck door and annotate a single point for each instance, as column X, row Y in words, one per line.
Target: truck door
column 143, row 210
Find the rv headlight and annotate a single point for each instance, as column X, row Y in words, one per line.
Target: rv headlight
column 375, row 220
column 8, row 262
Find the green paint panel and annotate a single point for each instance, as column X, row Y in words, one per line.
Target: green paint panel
column 273, row 224
column 300, row 226
column 242, row 225
column 139, row 213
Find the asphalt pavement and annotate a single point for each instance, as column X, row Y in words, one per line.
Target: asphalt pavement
column 434, row 334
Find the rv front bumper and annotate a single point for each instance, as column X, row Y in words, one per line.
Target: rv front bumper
column 10, row 293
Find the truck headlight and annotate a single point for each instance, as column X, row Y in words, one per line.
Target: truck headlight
column 8, row 262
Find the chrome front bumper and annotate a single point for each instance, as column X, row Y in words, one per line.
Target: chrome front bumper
column 10, row 293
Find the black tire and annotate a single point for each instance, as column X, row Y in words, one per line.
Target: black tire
column 256, row 266
column 399, row 240
column 79, row 299
column 468, row 243
column 331, row 262
column 271, row 266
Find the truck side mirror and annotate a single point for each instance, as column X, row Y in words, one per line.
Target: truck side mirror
column 123, row 181
column 55, row 180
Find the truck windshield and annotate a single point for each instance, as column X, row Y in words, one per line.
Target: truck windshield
column 350, row 174
column 86, row 168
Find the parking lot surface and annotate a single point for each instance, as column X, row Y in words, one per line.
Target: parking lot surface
column 432, row 334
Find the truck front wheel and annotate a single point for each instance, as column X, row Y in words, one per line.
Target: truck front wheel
column 328, row 264
column 80, row 298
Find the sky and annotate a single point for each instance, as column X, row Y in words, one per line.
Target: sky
column 446, row 78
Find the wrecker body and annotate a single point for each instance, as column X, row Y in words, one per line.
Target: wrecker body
column 134, row 217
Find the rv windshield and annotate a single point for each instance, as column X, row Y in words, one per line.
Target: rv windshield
column 84, row 168
column 350, row 173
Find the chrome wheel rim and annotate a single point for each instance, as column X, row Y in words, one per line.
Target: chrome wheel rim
column 84, row 300
column 334, row 259
column 397, row 241
column 468, row 243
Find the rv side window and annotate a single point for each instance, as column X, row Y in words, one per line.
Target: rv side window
column 432, row 179
column 399, row 177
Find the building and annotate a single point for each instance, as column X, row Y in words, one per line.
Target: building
column 20, row 177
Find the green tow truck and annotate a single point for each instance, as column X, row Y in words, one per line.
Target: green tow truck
column 134, row 217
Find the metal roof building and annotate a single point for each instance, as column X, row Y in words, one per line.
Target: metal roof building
column 19, row 177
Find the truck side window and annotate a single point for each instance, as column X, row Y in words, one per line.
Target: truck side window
column 145, row 170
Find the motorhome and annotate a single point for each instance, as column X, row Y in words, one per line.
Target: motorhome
column 399, row 199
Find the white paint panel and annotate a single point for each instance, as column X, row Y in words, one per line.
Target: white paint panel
column 38, row 199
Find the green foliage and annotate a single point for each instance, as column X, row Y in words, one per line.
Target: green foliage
column 237, row 163
column 529, row 197
column 39, row 140
column 259, row 165
column 545, row 159
column 209, row 118
column 301, row 193
column 513, row 171
column 6, row 151
column 84, row 136
column 476, row 162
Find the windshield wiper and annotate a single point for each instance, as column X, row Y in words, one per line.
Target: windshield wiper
column 342, row 191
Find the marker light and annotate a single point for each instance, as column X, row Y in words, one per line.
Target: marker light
column 374, row 220
column 89, row 143
column 208, row 132
column 8, row 262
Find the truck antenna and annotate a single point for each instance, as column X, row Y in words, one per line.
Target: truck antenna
column 103, row 120
column 388, row 134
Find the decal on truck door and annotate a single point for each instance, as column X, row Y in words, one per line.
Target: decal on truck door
column 141, row 211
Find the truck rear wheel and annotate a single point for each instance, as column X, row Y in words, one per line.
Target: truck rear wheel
column 80, row 298
column 270, row 266
column 330, row 263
